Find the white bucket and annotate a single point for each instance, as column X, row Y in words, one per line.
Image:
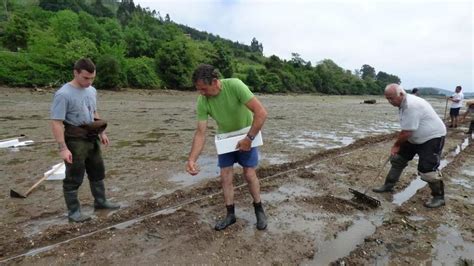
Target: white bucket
column 227, row 142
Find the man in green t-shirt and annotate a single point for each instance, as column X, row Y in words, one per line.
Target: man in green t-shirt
column 233, row 106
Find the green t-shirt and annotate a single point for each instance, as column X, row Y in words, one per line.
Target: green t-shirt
column 228, row 107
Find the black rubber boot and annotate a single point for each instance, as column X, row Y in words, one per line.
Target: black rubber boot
column 398, row 164
column 100, row 202
column 471, row 128
column 392, row 178
column 228, row 220
column 74, row 207
column 261, row 217
column 437, row 191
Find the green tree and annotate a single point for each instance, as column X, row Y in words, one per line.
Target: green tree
column 141, row 73
column 175, row 62
column 65, row 25
column 223, row 60
column 273, row 62
column 385, row 78
column 138, row 42
column 271, row 83
column 253, row 79
column 368, row 72
column 79, row 48
column 255, row 46
column 296, row 60
column 108, row 73
column 15, row 35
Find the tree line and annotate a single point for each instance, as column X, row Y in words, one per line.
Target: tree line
column 139, row 48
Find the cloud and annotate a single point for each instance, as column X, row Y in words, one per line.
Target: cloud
column 425, row 43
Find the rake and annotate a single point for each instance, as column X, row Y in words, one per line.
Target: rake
column 363, row 197
column 15, row 194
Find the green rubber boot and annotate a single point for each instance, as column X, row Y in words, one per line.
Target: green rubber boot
column 100, row 202
column 74, row 207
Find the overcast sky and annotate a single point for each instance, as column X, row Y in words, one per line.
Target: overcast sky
column 425, row 43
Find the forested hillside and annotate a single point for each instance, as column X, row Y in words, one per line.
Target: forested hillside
column 140, row 48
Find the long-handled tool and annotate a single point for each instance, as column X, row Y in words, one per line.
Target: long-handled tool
column 15, row 194
column 446, row 109
column 363, row 197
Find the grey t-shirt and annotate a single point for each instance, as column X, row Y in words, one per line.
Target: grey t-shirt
column 74, row 105
column 418, row 116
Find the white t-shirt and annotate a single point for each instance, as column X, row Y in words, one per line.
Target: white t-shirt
column 418, row 116
column 457, row 96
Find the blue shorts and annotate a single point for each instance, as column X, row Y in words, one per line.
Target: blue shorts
column 454, row 111
column 247, row 159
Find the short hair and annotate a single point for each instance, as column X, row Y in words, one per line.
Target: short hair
column 414, row 91
column 206, row 73
column 84, row 64
column 398, row 88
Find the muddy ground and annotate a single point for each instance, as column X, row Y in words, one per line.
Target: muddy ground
column 316, row 147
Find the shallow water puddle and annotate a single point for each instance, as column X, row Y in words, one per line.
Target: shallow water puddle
column 344, row 243
column 450, row 247
column 463, row 182
column 286, row 191
column 330, row 140
column 209, row 170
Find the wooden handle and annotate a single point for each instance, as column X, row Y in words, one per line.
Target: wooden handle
column 381, row 169
column 42, row 179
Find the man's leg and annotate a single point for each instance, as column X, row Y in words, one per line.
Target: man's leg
column 96, row 173
column 430, row 155
column 254, row 188
column 227, row 178
column 73, row 180
column 249, row 161
column 398, row 162
column 471, row 127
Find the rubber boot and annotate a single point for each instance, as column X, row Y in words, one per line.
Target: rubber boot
column 471, row 128
column 261, row 217
column 100, row 202
column 398, row 164
column 74, row 207
column 228, row 220
column 437, row 191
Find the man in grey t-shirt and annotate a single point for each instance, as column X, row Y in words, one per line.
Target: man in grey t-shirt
column 422, row 133
column 74, row 120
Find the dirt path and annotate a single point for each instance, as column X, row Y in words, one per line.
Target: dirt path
column 312, row 218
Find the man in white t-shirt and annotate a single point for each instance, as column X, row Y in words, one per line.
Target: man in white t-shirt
column 456, row 105
column 422, row 133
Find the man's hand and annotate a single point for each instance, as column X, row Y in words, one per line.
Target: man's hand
column 104, row 139
column 394, row 150
column 66, row 155
column 192, row 168
column 244, row 144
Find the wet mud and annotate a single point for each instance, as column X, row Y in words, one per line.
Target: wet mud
column 168, row 217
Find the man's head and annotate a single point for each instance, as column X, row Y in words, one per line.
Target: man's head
column 458, row 89
column 205, row 79
column 394, row 94
column 84, row 72
column 414, row 91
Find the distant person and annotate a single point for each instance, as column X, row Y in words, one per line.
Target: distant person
column 415, row 92
column 456, row 105
column 78, row 130
column 422, row 133
column 470, row 110
column 233, row 106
